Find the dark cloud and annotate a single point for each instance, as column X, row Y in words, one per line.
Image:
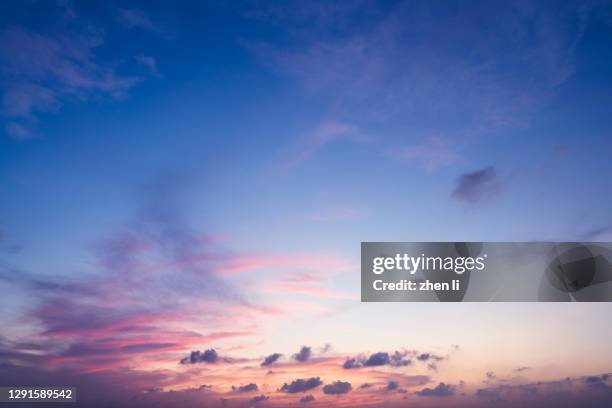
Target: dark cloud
column 521, row 369
column 208, row 356
column 597, row 381
column 392, row 385
column 246, row 388
column 307, row 398
column 398, row 359
column 429, row 356
column 487, row 393
column 441, row 390
column 338, row 387
column 351, row 363
column 365, row 385
column 259, row 398
column 270, row 359
column 301, row 385
column 303, row 354
column 377, row 359
column 475, row 186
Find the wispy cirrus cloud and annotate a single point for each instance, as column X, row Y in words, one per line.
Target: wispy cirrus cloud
column 46, row 68
column 400, row 66
column 327, row 132
column 43, row 71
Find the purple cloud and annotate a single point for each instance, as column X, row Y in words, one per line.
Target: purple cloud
column 441, row 390
column 259, row 398
column 208, row 356
column 301, row 385
column 303, row 355
column 338, row 387
column 246, row 388
column 271, row 359
column 477, row 185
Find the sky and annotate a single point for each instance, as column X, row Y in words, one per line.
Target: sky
column 184, row 188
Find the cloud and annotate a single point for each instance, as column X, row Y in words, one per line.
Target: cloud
column 351, row 363
column 327, row 132
column 246, row 388
column 397, row 359
column 490, row 375
column 429, row 356
column 140, row 306
column 392, row 385
column 377, row 359
column 270, row 359
column 301, row 385
column 597, row 381
column 208, row 356
column 441, row 390
column 148, row 62
column 304, row 354
column 43, row 71
column 521, row 369
column 477, row 185
column 405, row 64
column 487, row 393
column 307, row 398
column 259, row 398
column 338, row 387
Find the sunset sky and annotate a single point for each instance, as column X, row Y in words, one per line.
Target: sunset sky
column 184, row 187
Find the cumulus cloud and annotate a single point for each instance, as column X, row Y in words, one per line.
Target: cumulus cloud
column 246, row 388
column 396, row 359
column 377, row 359
column 477, row 185
column 441, row 390
column 259, row 398
column 338, row 387
column 271, row 359
column 303, row 354
column 208, row 356
column 307, row 398
column 301, row 385
column 392, row 385
column 429, row 356
column 351, row 363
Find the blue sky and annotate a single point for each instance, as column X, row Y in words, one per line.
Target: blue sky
column 253, row 145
